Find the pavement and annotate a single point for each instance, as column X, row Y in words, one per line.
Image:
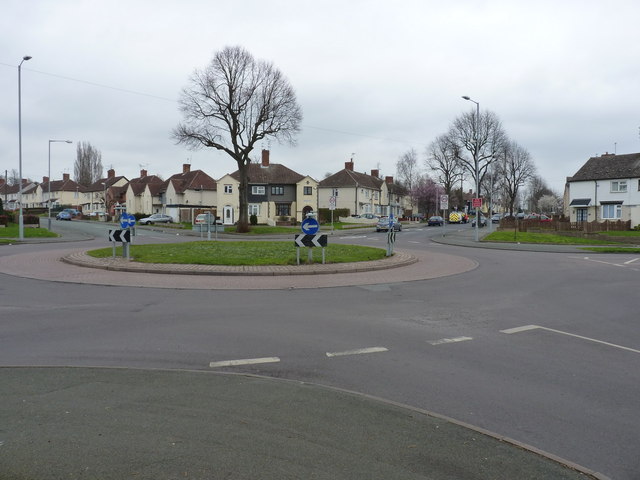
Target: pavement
column 115, row 423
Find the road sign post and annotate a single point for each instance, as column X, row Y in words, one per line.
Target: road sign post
column 123, row 236
column 309, row 241
column 332, row 207
column 391, row 239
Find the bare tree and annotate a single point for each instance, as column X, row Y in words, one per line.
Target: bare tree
column 87, row 168
column 516, row 169
column 537, row 189
column 407, row 173
column 234, row 103
column 477, row 139
column 13, row 178
column 442, row 159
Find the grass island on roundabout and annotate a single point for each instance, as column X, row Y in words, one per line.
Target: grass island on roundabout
column 240, row 253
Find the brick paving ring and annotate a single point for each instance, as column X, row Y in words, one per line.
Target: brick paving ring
column 75, row 266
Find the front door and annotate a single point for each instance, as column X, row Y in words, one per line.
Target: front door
column 581, row 215
column 227, row 215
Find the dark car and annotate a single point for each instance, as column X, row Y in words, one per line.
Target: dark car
column 64, row 215
column 383, row 225
column 156, row 218
column 435, row 220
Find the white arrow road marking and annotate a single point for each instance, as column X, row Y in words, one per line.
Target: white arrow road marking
column 358, row 351
column 534, row 327
column 450, row 340
column 246, row 361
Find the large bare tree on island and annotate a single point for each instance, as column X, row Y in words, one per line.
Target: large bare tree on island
column 234, row 103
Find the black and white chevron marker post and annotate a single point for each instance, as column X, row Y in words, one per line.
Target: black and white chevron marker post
column 123, row 236
column 310, row 241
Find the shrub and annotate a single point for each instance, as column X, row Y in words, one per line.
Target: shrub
column 4, row 220
column 253, row 219
column 31, row 220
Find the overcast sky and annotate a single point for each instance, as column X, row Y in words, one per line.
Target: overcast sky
column 374, row 79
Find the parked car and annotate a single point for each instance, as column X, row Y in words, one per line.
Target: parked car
column 496, row 217
column 63, row 215
column 202, row 218
column 435, row 220
column 72, row 211
column 541, row 218
column 483, row 221
column 383, row 225
column 156, row 218
column 369, row 216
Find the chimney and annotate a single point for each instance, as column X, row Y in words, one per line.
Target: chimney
column 388, row 179
column 186, row 168
column 111, row 173
column 65, row 177
column 375, row 173
column 348, row 166
column 265, row 158
column 44, row 180
column 143, row 173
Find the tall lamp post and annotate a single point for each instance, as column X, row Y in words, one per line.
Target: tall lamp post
column 20, row 219
column 475, row 164
column 49, row 182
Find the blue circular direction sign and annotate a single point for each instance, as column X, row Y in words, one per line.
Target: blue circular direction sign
column 127, row 220
column 310, row 226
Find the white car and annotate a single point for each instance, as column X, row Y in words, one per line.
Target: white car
column 201, row 219
column 156, row 218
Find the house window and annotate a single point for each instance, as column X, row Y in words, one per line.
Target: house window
column 375, row 195
column 612, row 211
column 307, row 190
column 283, row 209
column 619, row 186
column 277, row 190
column 334, row 192
column 257, row 189
column 254, row 209
column 228, row 189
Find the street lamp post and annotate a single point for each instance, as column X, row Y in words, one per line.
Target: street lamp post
column 20, row 219
column 49, row 182
column 475, row 163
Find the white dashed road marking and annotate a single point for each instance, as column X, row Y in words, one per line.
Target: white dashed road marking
column 358, row 351
column 246, row 361
column 534, row 327
column 451, row 340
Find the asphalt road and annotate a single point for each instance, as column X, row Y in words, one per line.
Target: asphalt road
column 540, row 347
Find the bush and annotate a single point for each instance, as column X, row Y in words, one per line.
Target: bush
column 31, row 220
column 253, row 219
column 4, row 220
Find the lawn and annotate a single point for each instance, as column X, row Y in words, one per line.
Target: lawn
column 12, row 231
column 613, row 249
column 525, row 237
column 268, row 230
column 241, row 253
column 623, row 233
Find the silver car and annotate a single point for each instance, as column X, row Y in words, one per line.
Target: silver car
column 156, row 218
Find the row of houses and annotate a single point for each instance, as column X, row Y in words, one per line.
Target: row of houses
column 606, row 187
column 275, row 193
